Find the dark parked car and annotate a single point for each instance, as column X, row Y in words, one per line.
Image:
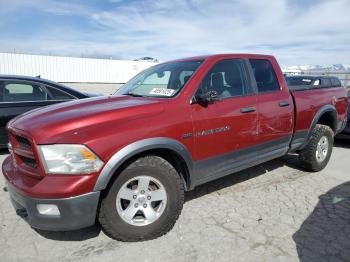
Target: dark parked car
column 307, row 82
column 19, row 94
column 300, row 80
column 147, row 59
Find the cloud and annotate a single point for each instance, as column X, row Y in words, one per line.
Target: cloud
column 47, row 6
column 297, row 32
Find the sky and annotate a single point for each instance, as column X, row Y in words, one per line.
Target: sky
column 295, row 31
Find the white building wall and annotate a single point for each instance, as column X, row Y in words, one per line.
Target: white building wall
column 71, row 69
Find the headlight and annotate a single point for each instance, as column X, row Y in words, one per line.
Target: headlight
column 69, row 159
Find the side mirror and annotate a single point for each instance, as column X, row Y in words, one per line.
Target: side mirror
column 206, row 98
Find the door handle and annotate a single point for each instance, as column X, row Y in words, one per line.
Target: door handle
column 248, row 109
column 283, row 103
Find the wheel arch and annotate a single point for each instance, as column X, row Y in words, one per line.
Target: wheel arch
column 328, row 118
column 170, row 149
column 327, row 115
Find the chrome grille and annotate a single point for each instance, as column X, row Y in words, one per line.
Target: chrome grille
column 23, row 153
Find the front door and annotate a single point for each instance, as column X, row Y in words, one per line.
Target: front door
column 226, row 129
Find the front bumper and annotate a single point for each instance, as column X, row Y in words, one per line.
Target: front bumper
column 75, row 212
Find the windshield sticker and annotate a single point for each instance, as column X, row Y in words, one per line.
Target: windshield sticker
column 162, row 92
column 307, row 80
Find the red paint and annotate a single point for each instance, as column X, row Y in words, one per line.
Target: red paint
column 107, row 124
column 310, row 101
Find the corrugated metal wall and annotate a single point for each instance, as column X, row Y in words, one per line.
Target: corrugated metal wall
column 71, row 69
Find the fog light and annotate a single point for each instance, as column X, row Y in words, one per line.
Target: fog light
column 49, row 210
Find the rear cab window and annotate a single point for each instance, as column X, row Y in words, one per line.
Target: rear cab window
column 265, row 75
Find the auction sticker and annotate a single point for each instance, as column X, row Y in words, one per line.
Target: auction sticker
column 162, row 92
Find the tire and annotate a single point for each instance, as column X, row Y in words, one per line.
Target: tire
column 313, row 156
column 113, row 213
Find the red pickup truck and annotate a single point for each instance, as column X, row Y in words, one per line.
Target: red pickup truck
column 126, row 160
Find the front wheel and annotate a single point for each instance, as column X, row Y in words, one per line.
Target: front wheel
column 315, row 156
column 144, row 201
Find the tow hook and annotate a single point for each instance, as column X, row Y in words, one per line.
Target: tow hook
column 5, row 189
column 22, row 212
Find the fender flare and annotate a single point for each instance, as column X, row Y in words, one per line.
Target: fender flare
column 138, row 147
column 319, row 114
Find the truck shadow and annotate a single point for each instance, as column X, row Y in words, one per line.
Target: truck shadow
column 236, row 178
column 325, row 234
column 342, row 141
column 76, row 235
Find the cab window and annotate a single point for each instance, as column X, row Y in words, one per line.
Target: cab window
column 227, row 78
column 265, row 75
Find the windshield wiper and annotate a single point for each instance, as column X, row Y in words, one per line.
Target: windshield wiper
column 134, row 95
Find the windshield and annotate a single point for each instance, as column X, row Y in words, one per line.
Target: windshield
column 163, row 80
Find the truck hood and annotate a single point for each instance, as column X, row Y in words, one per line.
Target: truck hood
column 52, row 123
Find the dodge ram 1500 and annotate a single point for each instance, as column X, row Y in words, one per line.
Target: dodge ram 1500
column 126, row 160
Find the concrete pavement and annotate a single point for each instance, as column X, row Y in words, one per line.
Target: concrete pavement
column 272, row 212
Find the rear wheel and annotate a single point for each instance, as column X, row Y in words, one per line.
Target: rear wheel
column 144, row 202
column 315, row 156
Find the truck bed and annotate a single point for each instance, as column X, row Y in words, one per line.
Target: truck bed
column 309, row 102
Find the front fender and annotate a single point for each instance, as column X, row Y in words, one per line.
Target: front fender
column 138, row 147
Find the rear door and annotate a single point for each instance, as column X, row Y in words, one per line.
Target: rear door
column 57, row 96
column 275, row 108
column 225, row 130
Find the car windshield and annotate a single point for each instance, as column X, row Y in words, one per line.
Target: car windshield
column 162, row 80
